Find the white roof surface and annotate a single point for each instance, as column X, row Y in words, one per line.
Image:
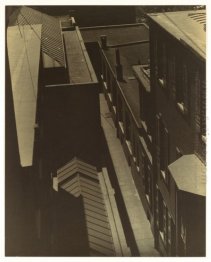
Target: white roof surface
column 189, row 174
column 186, row 26
column 24, row 56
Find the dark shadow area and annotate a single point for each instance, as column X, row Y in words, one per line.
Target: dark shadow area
column 107, row 161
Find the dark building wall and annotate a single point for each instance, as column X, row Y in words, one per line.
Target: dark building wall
column 181, row 126
column 68, row 232
column 19, row 201
column 93, row 50
column 70, row 125
column 191, row 224
column 175, row 81
column 93, row 15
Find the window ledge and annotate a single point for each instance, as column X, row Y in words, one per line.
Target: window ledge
column 182, row 108
column 105, row 85
column 128, row 143
column 109, row 96
column 204, row 139
column 161, row 234
column 121, row 127
column 163, row 174
column 161, row 82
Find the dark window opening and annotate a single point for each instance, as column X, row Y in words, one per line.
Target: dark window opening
column 120, row 110
column 114, row 92
column 182, row 89
column 178, row 153
column 171, row 79
column 162, row 63
column 127, row 127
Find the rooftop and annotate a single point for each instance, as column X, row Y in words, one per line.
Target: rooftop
column 189, row 27
column 130, row 55
column 24, row 57
column 51, row 37
column 105, row 232
column 80, row 69
column 116, row 34
column 189, row 174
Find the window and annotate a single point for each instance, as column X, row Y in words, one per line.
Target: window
column 103, row 70
column 127, row 126
column 119, row 107
column 120, row 114
column 201, row 109
column 178, row 153
column 163, row 223
column 157, row 142
column 114, row 91
column 142, row 167
column 147, row 180
column 183, row 230
column 161, row 214
column 157, row 206
column 171, row 79
column 108, row 79
column 162, row 148
column 162, row 63
column 133, row 142
column 142, row 108
column 171, row 236
column 182, row 89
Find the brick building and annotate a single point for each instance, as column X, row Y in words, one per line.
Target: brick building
column 57, row 119
column 157, row 101
column 177, row 63
column 153, row 80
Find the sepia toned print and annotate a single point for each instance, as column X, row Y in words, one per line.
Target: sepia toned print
column 105, row 131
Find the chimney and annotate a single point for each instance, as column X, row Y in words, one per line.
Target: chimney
column 104, row 41
column 119, row 71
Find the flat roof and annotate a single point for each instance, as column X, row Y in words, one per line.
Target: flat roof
column 189, row 27
column 189, row 173
column 24, row 57
column 130, row 86
column 78, row 69
column 130, row 55
column 116, row 34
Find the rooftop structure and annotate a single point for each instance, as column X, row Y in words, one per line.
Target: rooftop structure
column 79, row 67
column 189, row 174
column 24, row 58
column 104, row 228
column 51, row 36
column 31, row 36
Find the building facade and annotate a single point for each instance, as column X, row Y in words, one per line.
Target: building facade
column 153, row 79
column 177, row 63
column 164, row 137
column 57, row 119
